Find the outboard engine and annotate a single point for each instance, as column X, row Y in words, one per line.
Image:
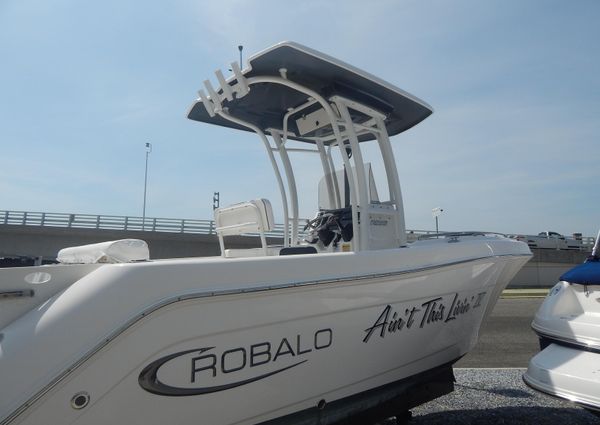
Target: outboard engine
column 330, row 226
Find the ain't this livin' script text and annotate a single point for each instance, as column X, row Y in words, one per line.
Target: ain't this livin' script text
column 432, row 311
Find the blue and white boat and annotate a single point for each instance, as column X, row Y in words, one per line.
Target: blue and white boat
column 568, row 324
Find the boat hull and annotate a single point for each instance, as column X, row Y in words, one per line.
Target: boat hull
column 570, row 314
column 568, row 324
column 244, row 348
column 567, row 372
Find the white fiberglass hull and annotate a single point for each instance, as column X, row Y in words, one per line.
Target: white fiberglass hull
column 568, row 373
column 568, row 323
column 571, row 314
column 244, row 341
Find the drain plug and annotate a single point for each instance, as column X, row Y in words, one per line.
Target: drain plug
column 80, row 400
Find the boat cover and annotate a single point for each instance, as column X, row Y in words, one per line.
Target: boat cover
column 587, row 273
column 266, row 104
column 119, row 251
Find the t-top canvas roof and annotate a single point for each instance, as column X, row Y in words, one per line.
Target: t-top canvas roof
column 267, row 103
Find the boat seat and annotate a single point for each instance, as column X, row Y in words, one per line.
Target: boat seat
column 254, row 216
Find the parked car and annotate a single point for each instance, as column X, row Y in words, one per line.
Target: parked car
column 550, row 240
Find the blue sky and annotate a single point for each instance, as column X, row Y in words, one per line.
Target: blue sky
column 513, row 145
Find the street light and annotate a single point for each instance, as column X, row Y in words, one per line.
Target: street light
column 148, row 151
column 436, row 212
column 240, row 48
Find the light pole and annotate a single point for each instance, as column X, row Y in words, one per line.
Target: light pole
column 436, row 212
column 240, row 48
column 148, row 151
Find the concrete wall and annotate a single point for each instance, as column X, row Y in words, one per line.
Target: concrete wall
column 539, row 275
column 545, row 268
column 47, row 241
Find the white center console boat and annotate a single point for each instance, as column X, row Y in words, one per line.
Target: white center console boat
column 349, row 320
column 568, row 324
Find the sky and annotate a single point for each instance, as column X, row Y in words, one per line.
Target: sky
column 512, row 146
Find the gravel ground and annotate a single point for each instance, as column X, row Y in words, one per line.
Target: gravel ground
column 497, row 396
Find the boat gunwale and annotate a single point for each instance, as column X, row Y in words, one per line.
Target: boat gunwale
column 566, row 341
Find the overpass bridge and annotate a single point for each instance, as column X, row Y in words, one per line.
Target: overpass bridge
column 43, row 234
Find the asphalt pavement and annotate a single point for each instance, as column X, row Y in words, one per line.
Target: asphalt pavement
column 506, row 339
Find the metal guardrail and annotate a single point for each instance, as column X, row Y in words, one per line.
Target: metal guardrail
column 113, row 222
column 106, row 222
column 153, row 224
